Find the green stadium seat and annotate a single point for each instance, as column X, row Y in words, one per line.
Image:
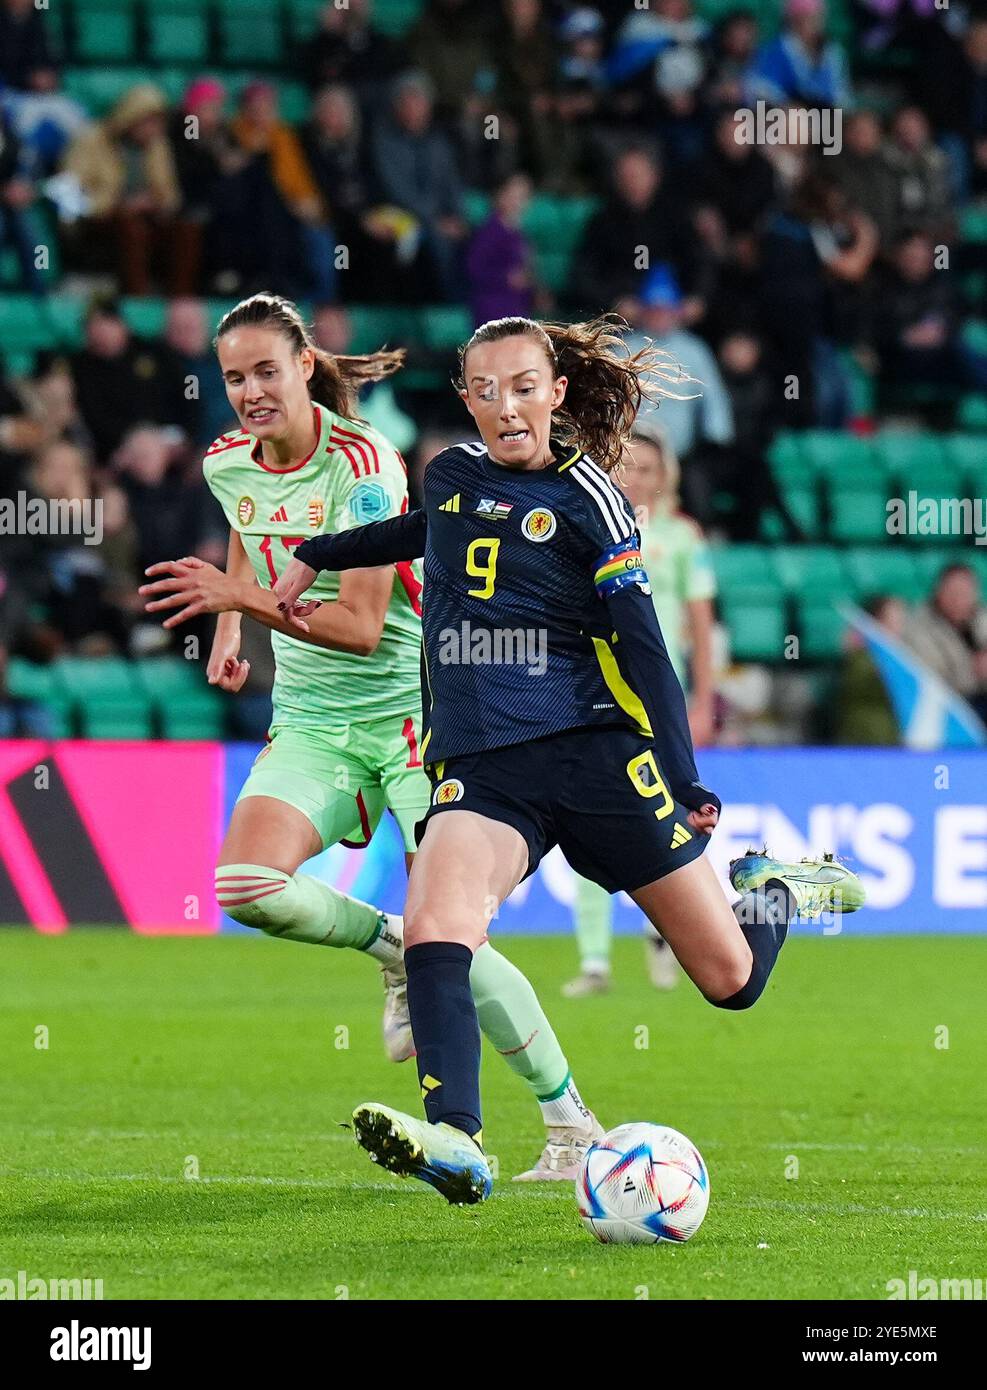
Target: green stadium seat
column 858, row 513
column 29, row 680
column 199, row 717
column 820, row 629
column 296, row 102
column 933, row 560
column 803, row 503
column 973, row 223
column 785, row 457
column 303, row 17
column 812, row 569
column 936, row 478
column 117, row 718
column 146, row 317
column 381, row 325
column 99, row 89
column 553, row 269
column 757, row 631
column 25, row 325
column 972, row 412
column 177, row 37
column 836, row 454
column 903, row 450
column 106, row 33
column 395, row 17
column 445, row 326
column 250, row 34
column 886, row 569
column 968, row 453
column 96, row 678
column 746, row 572
column 163, row 677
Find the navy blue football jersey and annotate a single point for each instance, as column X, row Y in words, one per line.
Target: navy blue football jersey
column 535, row 608
column 516, row 636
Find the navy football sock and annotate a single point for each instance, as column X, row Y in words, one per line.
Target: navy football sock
column 447, row 1035
column 764, row 916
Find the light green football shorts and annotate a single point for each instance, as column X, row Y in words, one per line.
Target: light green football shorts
column 345, row 781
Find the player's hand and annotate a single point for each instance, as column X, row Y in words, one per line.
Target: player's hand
column 704, row 819
column 191, row 586
column 297, row 577
column 225, row 668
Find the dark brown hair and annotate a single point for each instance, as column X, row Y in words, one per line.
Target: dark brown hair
column 606, row 382
column 335, row 381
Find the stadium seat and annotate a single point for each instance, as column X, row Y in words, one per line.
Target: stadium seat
column 476, row 206
column 857, row 513
column 972, row 412
column 381, row 325
column 836, row 454
column 303, row 17
column 746, row 573
column 886, row 569
column 820, row 630
column 553, row 269
column 932, row 561
column 249, row 34
column 812, row 569
column 903, row 450
column 445, row 326
column 803, row 503
column 176, row 34
column 146, row 317
column 198, row 717
column 757, row 631
column 396, row 17
column 938, row 477
column 163, row 677
column 29, row 680
column 96, row 678
column 968, row 454
column 105, row 32
column 785, row 457
column 127, row 717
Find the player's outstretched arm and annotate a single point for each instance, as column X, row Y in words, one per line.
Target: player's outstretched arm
column 361, row 547
column 224, row 667
column 647, row 668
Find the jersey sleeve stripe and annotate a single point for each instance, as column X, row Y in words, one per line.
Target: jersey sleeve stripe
column 361, row 442
column 344, row 449
column 354, row 451
column 617, row 523
column 609, row 489
column 218, row 448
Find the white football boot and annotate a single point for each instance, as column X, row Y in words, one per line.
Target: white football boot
column 563, row 1154
column 663, row 968
column 591, row 981
column 399, row 1044
column 441, row 1155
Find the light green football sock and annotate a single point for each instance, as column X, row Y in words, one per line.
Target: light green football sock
column 593, row 919
column 512, row 1018
column 296, row 907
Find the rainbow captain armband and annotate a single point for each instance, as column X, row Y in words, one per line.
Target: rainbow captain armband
column 619, row 567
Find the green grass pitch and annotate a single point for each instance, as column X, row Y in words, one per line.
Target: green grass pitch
column 238, row 1059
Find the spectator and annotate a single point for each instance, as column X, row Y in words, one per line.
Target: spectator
column 51, row 403
column 347, row 50
column 288, row 220
column 949, row 634
column 640, row 224
column 864, row 714
column 801, row 64
column 500, row 263
column 415, row 169
column 333, row 146
column 452, row 44
column 734, row 45
column 811, row 248
column 26, row 60
column 732, row 190
column 921, row 175
column 20, row 434
column 952, row 83
column 580, row 102
column 17, row 195
column 701, row 415
column 167, row 499
column 125, row 167
column 917, row 326
column 80, row 608
column 208, row 162
column 118, row 379
column 195, row 390
column 526, row 80
column 863, row 174
column 660, row 55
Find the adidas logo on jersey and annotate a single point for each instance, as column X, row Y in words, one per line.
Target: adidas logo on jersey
column 680, row 836
column 280, row 515
column 452, row 505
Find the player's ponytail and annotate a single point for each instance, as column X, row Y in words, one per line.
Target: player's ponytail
column 606, row 382
column 335, row 380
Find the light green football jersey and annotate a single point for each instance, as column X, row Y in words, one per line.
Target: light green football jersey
column 353, row 476
column 676, row 558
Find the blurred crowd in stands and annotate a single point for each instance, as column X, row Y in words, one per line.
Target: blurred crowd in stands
column 756, row 265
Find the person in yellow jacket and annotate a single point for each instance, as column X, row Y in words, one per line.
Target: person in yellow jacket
column 126, row 173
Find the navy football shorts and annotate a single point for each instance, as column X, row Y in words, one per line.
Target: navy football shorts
column 598, row 793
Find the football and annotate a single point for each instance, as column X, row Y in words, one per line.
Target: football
column 641, row 1184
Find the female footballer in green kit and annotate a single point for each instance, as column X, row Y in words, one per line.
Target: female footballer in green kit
column 347, row 698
